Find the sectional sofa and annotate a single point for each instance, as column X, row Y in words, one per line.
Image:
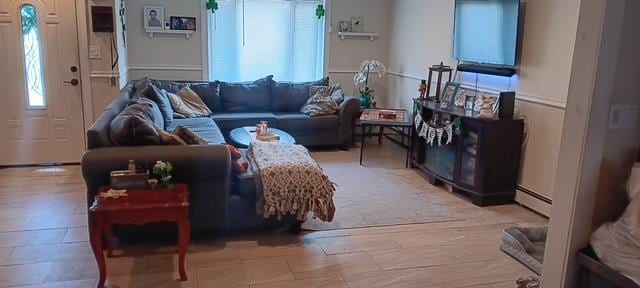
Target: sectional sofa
column 219, row 198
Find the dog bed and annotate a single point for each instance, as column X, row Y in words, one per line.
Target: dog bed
column 525, row 244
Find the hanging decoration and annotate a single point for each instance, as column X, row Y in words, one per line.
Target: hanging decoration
column 449, row 131
column 417, row 121
column 423, row 131
column 320, row 11
column 434, row 134
column 431, row 134
column 212, row 5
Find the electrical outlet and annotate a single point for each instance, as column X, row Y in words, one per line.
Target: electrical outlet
column 94, row 52
column 623, row 116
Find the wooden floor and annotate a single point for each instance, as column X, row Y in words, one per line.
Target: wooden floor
column 43, row 243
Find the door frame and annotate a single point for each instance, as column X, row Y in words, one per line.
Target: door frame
column 85, row 66
column 582, row 147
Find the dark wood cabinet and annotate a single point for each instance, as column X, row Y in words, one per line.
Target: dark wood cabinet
column 483, row 159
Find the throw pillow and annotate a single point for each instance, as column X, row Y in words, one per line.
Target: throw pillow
column 188, row 136
column 161, row 98
column 210, row 94
column 169, row 138
column 151, row 107
column 320, row 104
column 246, row 96
column 289, row 97
column 134, row 127
column 334, row 91
column 187, row 104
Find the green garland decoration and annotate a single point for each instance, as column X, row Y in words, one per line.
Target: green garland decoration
column 320, row 11
column 212, row 5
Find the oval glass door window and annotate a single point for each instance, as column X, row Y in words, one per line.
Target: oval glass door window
column 33, row 66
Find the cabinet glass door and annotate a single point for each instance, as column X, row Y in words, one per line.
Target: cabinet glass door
column 440, row 158
column 469, row 155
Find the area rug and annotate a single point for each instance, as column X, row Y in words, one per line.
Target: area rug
column 367, row 196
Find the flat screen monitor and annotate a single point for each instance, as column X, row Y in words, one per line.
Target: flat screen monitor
column 486, row 31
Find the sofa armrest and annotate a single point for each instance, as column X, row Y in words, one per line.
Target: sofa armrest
column 349, row 107
column 205, row 169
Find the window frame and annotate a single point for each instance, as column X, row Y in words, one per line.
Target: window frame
column 23, row 56
column 207, row 42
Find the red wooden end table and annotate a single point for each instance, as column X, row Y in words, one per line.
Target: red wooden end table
column 141, row 206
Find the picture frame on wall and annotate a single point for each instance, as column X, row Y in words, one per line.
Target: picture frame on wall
column 357, row 24
column 153, row 16
column 182, row 23
column 345, row 25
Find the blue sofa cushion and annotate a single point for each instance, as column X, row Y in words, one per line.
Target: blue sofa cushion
column 246, row 96
column 203, row 127
column 299, row 121
column 289, row 97
column 229, row 121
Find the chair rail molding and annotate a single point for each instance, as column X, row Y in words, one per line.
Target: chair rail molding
column 166, row 67
column 522, row 96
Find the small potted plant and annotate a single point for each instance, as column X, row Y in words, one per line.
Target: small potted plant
column 361, row 81
column 162, row 171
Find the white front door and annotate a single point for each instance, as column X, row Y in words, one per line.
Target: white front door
column 40, row 98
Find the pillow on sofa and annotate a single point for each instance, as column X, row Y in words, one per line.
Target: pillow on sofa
column 209, row 93
column 134, row 126
column 335, row 92
column 246, row 96
column 161, row 98
column 168, row 138
column 320, row 104
column 188, row 136
column 187, row 104
column 151, row 107
column 289, row 97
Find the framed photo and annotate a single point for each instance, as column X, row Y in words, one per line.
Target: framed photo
column 448, row 94
column 345, row 25
column 357, row 24
column 183, row 23
column 153, row 16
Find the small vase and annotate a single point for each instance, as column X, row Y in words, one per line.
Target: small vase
column 365, row 102
column 166, row 182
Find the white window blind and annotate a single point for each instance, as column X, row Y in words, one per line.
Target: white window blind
column 249, row 39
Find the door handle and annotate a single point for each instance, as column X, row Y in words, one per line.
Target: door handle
column 73, row 82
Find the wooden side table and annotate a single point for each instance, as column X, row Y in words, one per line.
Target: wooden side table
column 141, row 206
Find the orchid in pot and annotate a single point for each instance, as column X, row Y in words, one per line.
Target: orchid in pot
column 361, row 81
column 162, row 171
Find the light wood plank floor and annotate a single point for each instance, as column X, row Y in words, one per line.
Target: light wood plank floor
column 43, row 243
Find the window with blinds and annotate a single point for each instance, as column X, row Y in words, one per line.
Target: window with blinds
column 249, row 39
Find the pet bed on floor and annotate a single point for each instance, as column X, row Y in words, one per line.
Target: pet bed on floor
column 525, row 244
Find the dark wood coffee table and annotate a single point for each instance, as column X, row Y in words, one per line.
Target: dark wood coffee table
column 241, row 138
column 141, row 206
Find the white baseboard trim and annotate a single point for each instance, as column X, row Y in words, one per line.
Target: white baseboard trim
column 522, row 96
column 533, row 203
column 166, row 67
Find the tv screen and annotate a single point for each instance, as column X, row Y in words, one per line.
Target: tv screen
column 486, row 31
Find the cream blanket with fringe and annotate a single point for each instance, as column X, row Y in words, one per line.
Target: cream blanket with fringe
column 292, row 182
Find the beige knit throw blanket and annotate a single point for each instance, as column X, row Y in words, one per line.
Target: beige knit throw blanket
column 292, row 182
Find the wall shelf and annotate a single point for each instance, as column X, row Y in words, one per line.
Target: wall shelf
column 371, row 36
column 187, row 33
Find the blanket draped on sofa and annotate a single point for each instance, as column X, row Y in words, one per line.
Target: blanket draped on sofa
column 291, row 182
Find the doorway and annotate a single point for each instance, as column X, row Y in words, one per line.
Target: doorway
column 41, row 109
